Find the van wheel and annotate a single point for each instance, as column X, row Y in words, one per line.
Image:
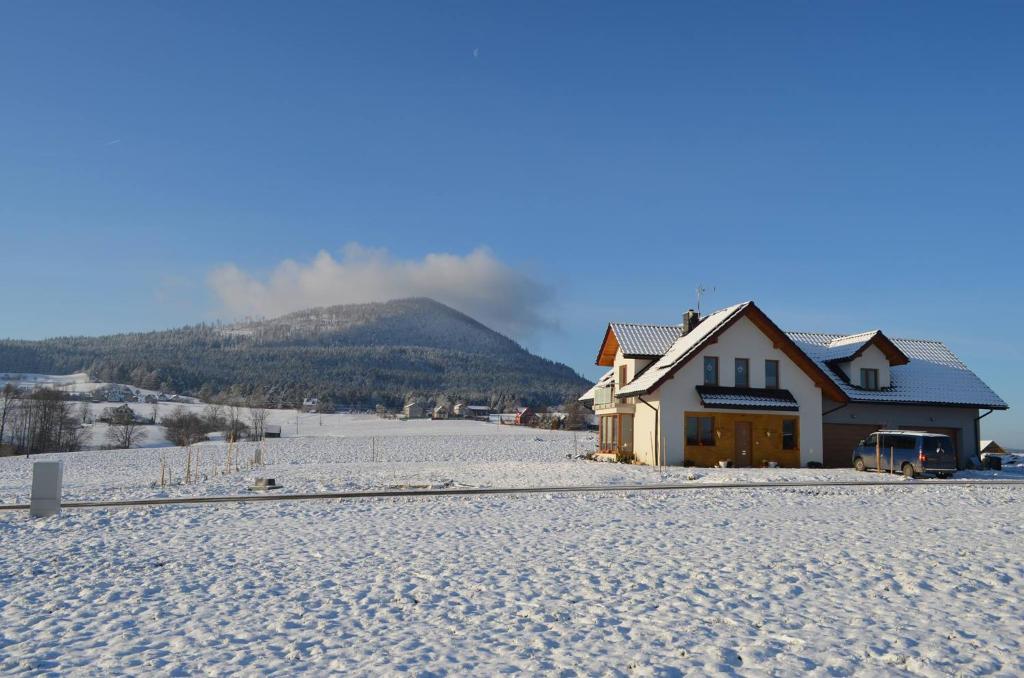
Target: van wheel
column 908, row 470
column 858, row 464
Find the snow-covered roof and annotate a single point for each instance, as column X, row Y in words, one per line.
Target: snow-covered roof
column 680, row 350
column 931, row 375
column 747, row 398
column 934, row 374
column 846, row 346
column 640, row 339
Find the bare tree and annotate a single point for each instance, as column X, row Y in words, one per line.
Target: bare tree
column 257, row 415
column 84, row 416
column 183, row 428
column 236, row 427
column 155, row 411
column 8, row 400
column 124, row 431
column 213, row 418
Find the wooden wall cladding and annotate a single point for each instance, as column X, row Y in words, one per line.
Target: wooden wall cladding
column 767, row 439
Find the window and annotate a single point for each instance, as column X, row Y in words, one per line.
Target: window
column 710, row 371
column 742, row 373
column 700, row 431
column 771, row 373
column 626, row 433
column 869, row 379
column 789, row 441
column 622, row 376
column 616, row 433
column 608, row 437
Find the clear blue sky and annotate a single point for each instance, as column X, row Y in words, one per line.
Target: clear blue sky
column 847, row 165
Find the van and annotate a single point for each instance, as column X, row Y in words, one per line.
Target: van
column 911, row 453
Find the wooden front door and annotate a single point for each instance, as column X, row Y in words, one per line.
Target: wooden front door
column 744, row 441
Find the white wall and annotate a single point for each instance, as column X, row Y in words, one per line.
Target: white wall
column 742, row 340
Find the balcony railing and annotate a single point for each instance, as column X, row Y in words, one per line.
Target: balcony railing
column 604, row 396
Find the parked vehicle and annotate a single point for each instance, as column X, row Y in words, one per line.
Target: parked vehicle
column 908, row 452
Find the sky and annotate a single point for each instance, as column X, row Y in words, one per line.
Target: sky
column 545, row 167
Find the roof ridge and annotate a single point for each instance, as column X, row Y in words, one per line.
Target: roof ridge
column 839, row 336
column 644, row 324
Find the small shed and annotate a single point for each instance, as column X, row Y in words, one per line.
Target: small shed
column 271, row 431
column 413, row 411
column 991, row 447
column 440, row 412
column 481, row 412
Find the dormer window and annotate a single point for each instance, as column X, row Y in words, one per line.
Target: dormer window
column 869, row 379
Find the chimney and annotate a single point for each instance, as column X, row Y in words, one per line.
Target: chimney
column 690, row 320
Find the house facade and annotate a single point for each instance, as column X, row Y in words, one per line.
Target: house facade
column 732, row 387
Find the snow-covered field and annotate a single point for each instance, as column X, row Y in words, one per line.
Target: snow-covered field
column 826, row 581
column 362, row 452
column 756, row 582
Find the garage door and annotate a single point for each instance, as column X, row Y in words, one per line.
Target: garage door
column 840, row 439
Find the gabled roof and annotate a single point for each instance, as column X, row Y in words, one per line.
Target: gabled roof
column 922, row 372
column 705, row 333
column 850, row 346
column 637, row 340
column 932, row 375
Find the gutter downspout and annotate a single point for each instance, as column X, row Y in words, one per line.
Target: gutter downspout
column 657, row 430
column 977, row 434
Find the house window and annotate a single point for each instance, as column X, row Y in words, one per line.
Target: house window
column 789, row 441
column 869, row 379
column 616, row 433
column 626, row 433
column 710, row 371
column 622, row 376
column 742, row 373
column 700, row 431
column 771, row 373
column 608, row 433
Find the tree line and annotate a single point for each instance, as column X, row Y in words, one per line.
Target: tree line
column 42, row 421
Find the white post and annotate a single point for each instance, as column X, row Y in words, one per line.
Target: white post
column 47, row 478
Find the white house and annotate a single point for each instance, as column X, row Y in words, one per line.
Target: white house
column 733, row 387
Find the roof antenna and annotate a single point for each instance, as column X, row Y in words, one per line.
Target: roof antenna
column 701, row 291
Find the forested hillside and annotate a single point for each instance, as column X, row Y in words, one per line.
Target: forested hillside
column 357, row 355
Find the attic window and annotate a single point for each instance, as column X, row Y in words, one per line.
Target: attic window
column 869, row 379
column 622, row 376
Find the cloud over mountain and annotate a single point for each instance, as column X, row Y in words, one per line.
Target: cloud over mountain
column 477, row 284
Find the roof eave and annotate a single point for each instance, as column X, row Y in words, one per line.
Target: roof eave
column 929, row 403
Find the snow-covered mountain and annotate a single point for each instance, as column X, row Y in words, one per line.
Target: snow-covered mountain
column 360, row 355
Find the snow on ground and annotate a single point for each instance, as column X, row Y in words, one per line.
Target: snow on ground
column 818, row 581
column 364, row 452
column 826, row 581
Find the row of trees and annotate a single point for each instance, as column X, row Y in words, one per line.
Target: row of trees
column 238, row 419
column 43, row 421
